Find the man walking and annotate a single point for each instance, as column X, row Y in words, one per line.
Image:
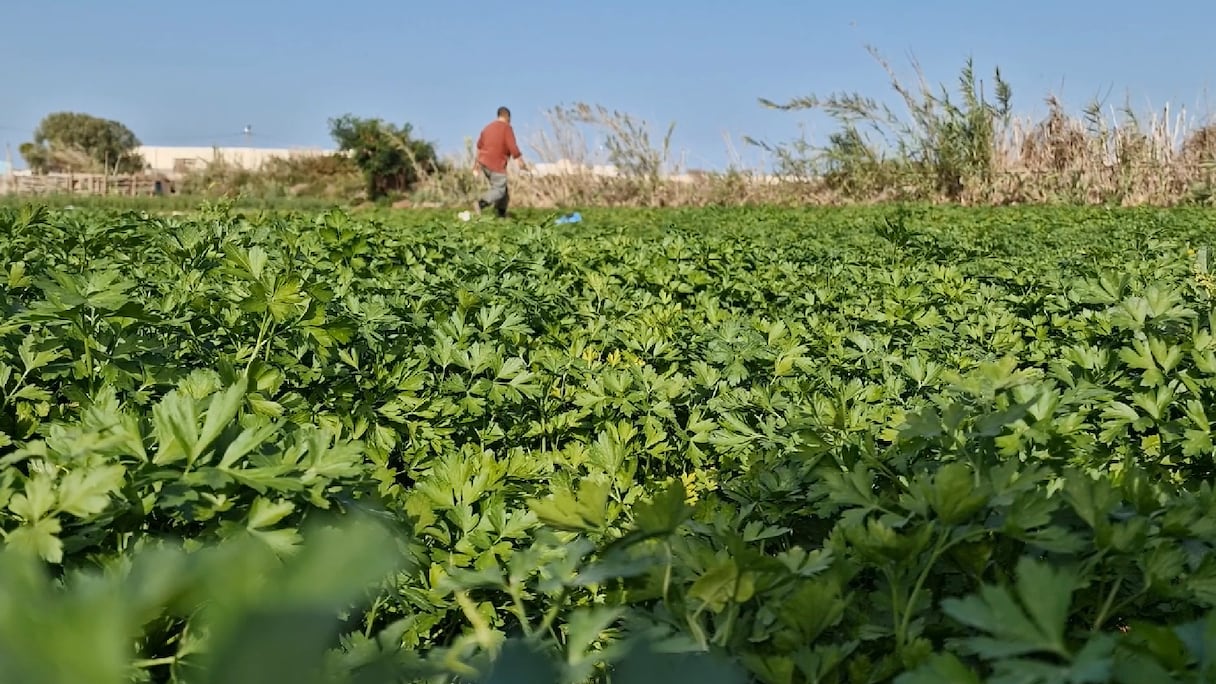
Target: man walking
column 495, row 146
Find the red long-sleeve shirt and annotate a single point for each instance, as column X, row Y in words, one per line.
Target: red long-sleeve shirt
column 495, row 145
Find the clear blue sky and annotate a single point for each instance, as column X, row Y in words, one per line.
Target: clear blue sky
column 195, row 73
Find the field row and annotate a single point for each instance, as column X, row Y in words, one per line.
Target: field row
column 857, row 445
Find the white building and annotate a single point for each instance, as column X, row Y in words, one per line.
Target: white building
column 173, row 161
column 567, row 167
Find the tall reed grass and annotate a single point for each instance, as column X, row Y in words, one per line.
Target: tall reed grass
column 964, row 144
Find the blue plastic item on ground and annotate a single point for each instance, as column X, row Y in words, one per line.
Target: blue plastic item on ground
column 570, row 218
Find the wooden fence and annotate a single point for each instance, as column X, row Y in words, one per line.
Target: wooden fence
column 81, row 184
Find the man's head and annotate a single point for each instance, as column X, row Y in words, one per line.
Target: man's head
column 504, row 114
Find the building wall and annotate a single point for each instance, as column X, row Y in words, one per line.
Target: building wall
column 567, row 167
column 171, row 160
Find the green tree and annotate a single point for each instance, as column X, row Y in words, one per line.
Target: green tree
column 81, row 142
column 390, row 159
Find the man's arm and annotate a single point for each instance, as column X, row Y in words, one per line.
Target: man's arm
column 513, row 149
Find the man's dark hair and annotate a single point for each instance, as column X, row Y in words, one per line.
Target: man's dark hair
column 503, row 111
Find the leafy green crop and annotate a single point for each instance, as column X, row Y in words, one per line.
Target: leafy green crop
column 845, row 446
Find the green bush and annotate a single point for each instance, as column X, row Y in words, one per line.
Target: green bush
column 389, row 157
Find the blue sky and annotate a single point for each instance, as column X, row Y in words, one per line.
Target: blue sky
column 195, row 73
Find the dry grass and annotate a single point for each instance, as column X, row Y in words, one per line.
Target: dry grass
column 1102, row 159
column 1099, row 157
column 601, row 157
column 971, row 148
column 323, row 177
column 966, row 148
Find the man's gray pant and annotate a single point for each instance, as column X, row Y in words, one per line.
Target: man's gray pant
column 497, row 196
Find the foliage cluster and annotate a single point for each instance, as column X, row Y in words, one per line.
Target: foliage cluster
column 72, row 141
column 847, row 446
column 391, row 159
column 330, row 177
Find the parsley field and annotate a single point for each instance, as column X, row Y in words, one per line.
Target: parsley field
column 886, row 444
